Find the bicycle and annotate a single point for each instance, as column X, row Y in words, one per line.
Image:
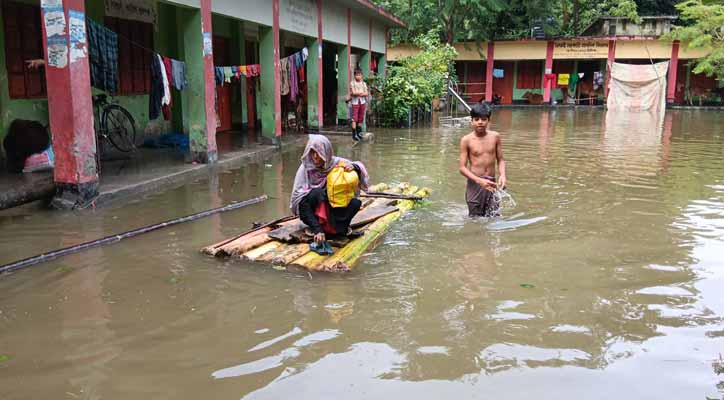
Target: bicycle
column 115, row 124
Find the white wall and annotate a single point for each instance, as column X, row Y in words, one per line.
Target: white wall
column 298, row 16
column 360, row 32
column 378, row 38
column 334, row 23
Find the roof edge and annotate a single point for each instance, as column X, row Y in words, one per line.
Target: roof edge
column 381, row 11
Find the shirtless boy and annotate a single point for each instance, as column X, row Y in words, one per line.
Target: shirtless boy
column 479, row 152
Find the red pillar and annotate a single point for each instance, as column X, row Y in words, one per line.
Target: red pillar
column 548, row 70
column 369, row 59
column 211, row 155
column 70, row 105
column 320, row 67
column 673, row 69
column 277, row 74
column 490, row 60
column 609, row 63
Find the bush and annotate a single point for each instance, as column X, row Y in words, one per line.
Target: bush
column 414, row 81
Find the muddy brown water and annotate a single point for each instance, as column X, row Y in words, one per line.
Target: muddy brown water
column 604, row 282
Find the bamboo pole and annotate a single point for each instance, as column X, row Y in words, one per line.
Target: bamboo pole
column 255, row 254
column 125, row 235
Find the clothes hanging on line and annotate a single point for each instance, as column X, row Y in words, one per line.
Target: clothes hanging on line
column 103, row 57
column 498, row 73
column 573, row 82
column 597, row 80
column 563, row 79
column 157, row 91
column 293, row 78
column 284, row 76
column 178, row 72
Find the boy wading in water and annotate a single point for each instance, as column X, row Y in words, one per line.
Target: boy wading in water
column 359, row 93
column 479, row 151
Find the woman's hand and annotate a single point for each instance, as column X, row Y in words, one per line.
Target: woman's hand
column 348, row 167
column 319, row 238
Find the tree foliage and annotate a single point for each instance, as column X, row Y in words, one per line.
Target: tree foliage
column 704, row 30
column 481, row 20
column 414, row 81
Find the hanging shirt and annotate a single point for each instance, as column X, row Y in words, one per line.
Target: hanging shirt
column 498, row 73
column 166, row 99
column 572, row 83
column 357, row 87
column 103, row 57
column 178, row 72
column 284, row 75
column 293, row 80
column 597, row 80
column 156, row 94
column 305, row 54
column 228, row 74
column 219, row 76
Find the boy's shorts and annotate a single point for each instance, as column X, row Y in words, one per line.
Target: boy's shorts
column 481, row 202
column 358, row 112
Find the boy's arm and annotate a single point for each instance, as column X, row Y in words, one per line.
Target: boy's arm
column 465, row 171
column 503, row 180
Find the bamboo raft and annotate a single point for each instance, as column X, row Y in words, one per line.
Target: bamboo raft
column 285, row 243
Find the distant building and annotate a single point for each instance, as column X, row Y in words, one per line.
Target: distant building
column 617, row 26
column 530, row 70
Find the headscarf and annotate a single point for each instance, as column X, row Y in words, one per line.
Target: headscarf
column 309, row 176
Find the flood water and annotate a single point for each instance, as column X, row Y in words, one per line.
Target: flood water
column 604, row 282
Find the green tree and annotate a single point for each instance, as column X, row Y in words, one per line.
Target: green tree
column 704, row 29
column 414, row 81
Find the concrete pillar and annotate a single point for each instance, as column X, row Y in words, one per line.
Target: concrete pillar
column 609, row 64
column 314, row 83
column 673, row 69
column 489, row 62
column 364, row 63
column 70, row 107
column 271, row 104
column 547, row 83
column 343, row 78
column 199, row 96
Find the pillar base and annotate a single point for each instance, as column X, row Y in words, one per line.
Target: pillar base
column 204, row 157
column 69, row 196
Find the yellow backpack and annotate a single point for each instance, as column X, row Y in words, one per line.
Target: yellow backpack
column 341, row 186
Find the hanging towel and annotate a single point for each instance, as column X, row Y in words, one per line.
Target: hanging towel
column 597, row 80
column 156, row 95
column 498, row 73
column 235, row 71
column 243, row 70
column 563, row 79
column 301, row 74
column 284, row 76
column 178, row 72
column 103, row 50
column 166, row 108
column 166, row 99
column 305, row 54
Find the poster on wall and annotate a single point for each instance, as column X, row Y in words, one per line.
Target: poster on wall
column 57, row 52
column 137, row 10
column 76, row 26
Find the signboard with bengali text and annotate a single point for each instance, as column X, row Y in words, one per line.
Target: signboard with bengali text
column 580, row 49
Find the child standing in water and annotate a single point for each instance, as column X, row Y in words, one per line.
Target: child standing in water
column 359, row 92
column 479, row 152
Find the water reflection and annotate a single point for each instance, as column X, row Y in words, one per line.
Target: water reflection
column 607, row 273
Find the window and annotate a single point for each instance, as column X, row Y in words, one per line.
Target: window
column 135, row 39
column 23, row 41
column 530, row 75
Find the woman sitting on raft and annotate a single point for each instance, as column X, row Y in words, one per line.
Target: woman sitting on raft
column 309, row 196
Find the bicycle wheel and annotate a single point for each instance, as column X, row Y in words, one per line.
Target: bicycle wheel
column 119, row 127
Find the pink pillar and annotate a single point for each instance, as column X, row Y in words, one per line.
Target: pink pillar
column 548, row 70
column 609, row 63
column 369, row 59
column 277, row 74
column 490, row 60
column 211, row 155
column 320, row 67
column 70, row 105
column 673, row 69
